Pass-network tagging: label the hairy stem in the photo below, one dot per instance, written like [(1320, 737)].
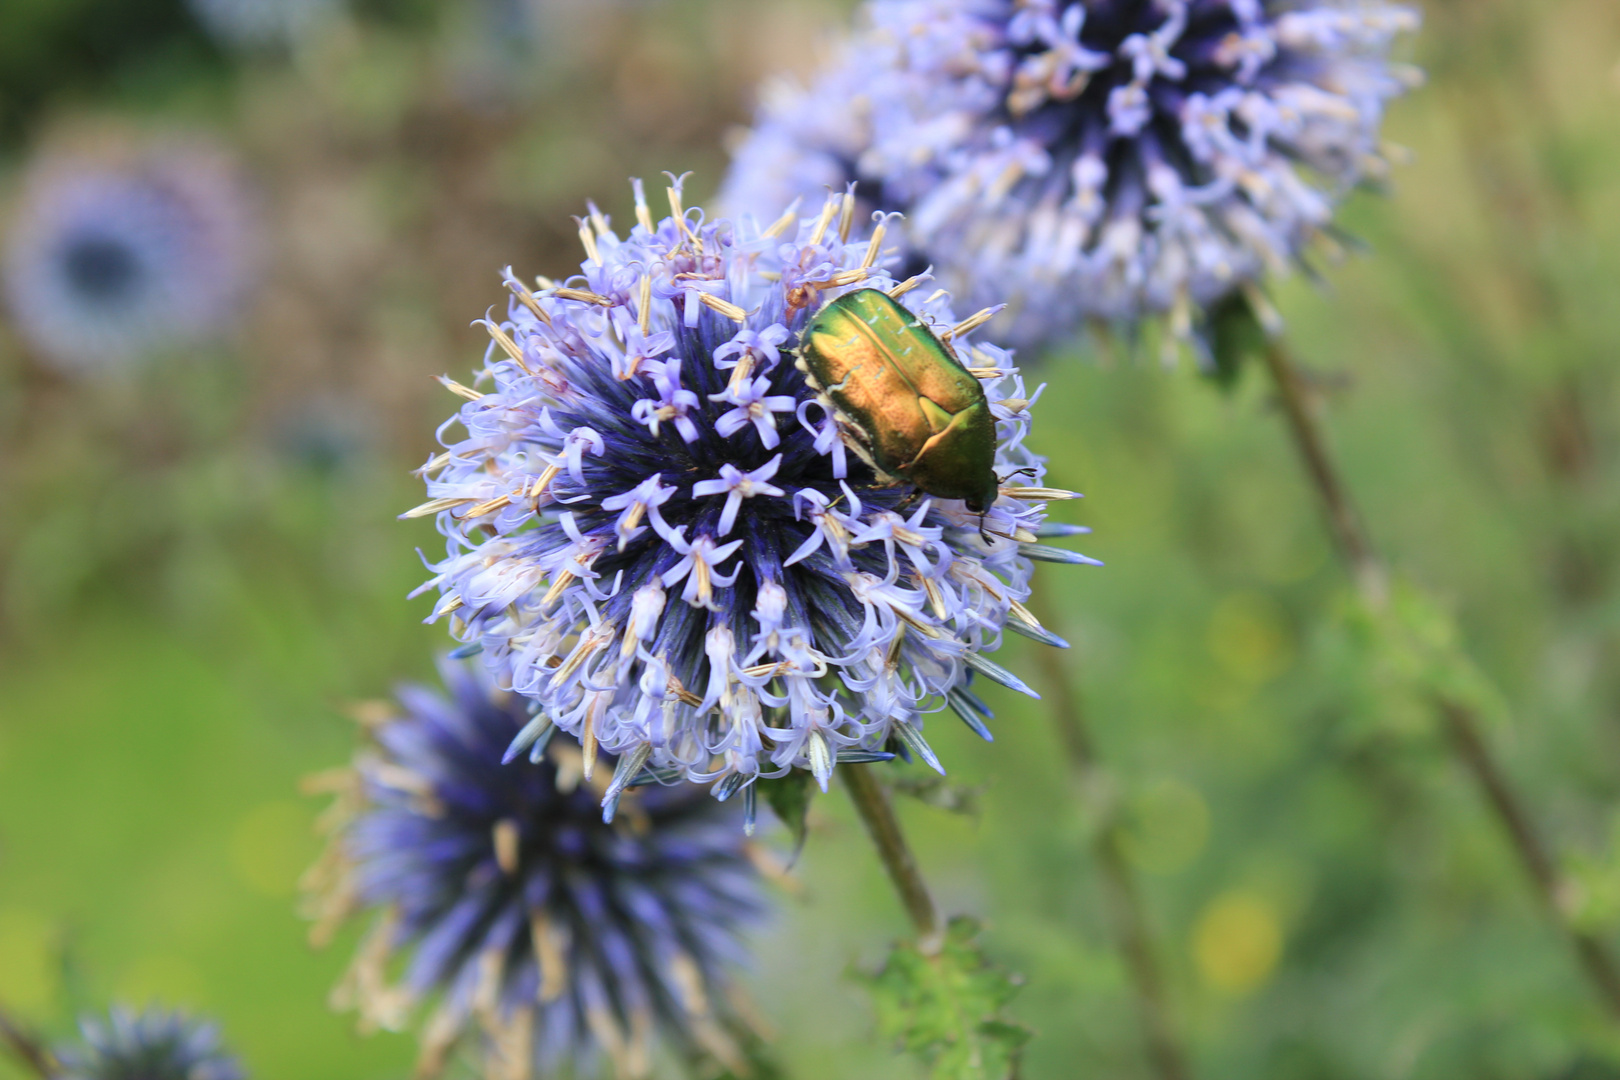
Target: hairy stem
[(1123, 896), (28, 1050), (1461, 723), (872, 802)]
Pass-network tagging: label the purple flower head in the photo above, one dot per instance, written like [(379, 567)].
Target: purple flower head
[(681, 565), (1109, 159), (152, 1045), (549, 940), (110, 259)]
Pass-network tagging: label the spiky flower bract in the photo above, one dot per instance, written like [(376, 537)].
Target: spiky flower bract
[(112, 256), (151, 1045), (1110, 159), (660, 536), (558, 939)]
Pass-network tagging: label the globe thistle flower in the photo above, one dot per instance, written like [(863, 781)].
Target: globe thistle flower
[(264, 24), (559, 938), (114, 256), (657, 532), (152, 1045), (1110, 159)]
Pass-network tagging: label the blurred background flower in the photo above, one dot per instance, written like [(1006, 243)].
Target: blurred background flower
[(560, 940), (113, 256), (1090, 158), (152, 1045), (260, 24)]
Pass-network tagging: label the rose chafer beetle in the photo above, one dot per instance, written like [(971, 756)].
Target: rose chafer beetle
[(913, 410)]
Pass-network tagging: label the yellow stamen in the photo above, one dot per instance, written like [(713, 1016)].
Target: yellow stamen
[(1039, 494), (875, 247), (828, 210), (544, 481), (456, 388), (584, 295), (549, 947), (906, 286), (506, 845), (780, 225), (432, 506), (724, 307), (588, 239), (971, 323), (499, 502), (587, 745), (558, 587)]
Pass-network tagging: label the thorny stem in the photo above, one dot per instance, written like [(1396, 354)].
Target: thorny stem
[(1124, 897), (1461, 723), (25, 1047), (872, 802)]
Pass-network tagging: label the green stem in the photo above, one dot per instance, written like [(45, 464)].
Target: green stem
[(872, 803), (28, 1050), (1461, 723), (1123, 894)]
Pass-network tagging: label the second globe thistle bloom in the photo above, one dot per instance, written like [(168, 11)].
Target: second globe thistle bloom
[(658, 535), (1109, 159), (117, 253), (557, 938), (151, 1045)]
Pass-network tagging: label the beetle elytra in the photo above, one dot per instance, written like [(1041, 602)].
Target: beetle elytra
[(915, 411)]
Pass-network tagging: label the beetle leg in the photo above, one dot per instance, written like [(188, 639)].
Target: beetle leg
[(1028, 470)]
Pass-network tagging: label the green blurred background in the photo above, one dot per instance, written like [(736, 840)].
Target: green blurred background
[(201, 568)]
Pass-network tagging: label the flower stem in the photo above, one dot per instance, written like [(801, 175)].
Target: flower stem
[(1460, 721), (1342, 519), (1124, 897), (872, 803), (27, 1049)]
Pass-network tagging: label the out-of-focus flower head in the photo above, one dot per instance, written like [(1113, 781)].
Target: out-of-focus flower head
[(558, 939), (656, 533), (111, 256), (152, 1045), (265, 24), (1109, 159)]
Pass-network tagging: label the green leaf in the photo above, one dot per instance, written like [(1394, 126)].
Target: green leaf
[(1234, 335), (789, 796), (1412, 654), (945, 1007)]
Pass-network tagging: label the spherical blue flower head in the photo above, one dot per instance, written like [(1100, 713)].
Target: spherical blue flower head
[(109, 260), (153, 1045), (660, 535), (1092, 158), (558, 938)]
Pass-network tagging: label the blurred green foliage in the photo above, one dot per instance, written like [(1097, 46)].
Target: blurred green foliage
[(199, 566)]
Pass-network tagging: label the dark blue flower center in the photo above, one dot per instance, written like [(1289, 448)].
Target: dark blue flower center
[(102, 268)]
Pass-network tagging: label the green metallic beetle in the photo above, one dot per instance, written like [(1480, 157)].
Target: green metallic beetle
[(915, 412)]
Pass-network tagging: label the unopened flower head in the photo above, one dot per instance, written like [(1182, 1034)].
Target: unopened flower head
[(549, 938), (1108, 159), (113, 256), (661, 536), (152, 1045)]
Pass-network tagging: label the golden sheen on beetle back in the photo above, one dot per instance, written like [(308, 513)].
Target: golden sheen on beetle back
[(905, 401)]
